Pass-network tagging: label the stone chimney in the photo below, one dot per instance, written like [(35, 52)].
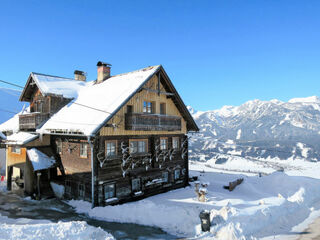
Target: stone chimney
[(103, 71), (79, 75)]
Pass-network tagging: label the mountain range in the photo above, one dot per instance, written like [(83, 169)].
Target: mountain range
[(259, 129)]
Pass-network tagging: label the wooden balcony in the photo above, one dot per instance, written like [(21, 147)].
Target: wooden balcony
[(32, 120), (152, 122)]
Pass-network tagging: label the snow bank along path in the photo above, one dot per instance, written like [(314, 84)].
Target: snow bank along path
[(259, 207), (42, 229)]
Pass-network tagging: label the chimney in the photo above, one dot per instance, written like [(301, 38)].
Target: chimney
[(79, 75), (103, 71)]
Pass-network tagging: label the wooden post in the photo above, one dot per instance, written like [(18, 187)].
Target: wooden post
[(186, 162), (38, 185), (9, 178), (152, 146), (159, 84)]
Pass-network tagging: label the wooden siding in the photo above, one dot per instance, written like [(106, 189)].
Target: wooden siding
[(39, 142), (111, 171), (78, 170), (70, 157), (137, 102), (50, 104), (41, 108), (16, 158)]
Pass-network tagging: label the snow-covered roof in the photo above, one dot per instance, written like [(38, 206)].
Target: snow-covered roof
[(11, 125), (96, 103), (20, 138), (66, 87), (53, 85), (39, 160)]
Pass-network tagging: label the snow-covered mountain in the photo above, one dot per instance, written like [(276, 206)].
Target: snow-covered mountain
[(259, 129)]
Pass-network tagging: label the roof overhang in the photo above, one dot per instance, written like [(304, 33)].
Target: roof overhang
[(20, 138), (27, 88)]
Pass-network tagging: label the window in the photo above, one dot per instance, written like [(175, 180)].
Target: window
[(163, 143), (68, 186), (148, 107), (165, 177), (83, 150), (129, 109), (59, 146), (15, 149), (136, 185), (81, 191), (176, 174), (175, 143), (162, 108), (109, 191), (111, 148), (138, 146)]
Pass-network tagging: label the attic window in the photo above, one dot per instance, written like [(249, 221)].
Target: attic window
[(148, 107)]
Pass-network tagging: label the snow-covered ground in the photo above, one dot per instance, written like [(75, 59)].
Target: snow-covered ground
[(42, 229), (277, 203), (24, 228)]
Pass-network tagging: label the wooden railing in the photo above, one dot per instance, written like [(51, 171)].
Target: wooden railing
[(152, 122), (32, 120)]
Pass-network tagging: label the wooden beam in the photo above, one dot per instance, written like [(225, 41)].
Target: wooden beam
[(159, 83), (157, 91)]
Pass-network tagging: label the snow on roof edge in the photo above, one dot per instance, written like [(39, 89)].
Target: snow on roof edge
[(20, 138)]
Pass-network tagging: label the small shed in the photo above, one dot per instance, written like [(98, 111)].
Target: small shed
[(38, 165)]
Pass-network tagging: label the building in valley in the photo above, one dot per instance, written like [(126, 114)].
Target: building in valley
[(116, 139)]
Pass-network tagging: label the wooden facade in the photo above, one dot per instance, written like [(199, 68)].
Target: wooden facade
[(157, 171), (41, 108), (117, 125)]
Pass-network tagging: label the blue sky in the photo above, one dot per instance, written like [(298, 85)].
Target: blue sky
[(215, 52)]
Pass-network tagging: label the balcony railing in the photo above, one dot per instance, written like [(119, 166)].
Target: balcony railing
[(32, 120), (152, 122)]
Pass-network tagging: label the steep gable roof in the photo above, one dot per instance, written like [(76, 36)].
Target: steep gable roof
[(191, 124), (96, 104), (52, 85)]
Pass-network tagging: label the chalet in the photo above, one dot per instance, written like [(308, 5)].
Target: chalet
[(116, 139)]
